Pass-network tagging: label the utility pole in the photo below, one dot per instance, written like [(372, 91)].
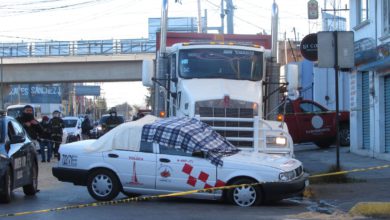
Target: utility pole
[(222, 29), (230, 16), (200, 27)]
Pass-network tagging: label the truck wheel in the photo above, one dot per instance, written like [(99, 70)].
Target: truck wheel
[(344, 135), (32, 188), (103, 185), (244, 196), (5, 196), (324, 143)]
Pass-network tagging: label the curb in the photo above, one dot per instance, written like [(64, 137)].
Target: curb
[(372, 209)]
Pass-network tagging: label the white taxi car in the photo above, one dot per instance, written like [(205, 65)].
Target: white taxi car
[(152, 156)]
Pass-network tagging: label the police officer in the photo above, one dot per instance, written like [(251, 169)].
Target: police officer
[(46, 141), (112, 121), (30, 124), (86, 127), (56, 125)]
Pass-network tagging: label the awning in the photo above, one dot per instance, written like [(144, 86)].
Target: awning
[(376, 65)]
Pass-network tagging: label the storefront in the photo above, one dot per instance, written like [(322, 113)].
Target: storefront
[(370, 104)]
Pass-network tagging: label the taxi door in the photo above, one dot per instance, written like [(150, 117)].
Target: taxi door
[(181, 171), (135, 169)]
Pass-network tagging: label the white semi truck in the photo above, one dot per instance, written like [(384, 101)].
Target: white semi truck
[(219, 79)]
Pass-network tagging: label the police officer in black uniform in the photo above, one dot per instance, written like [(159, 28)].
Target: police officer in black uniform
[(112, 121), (56, 125), (30, 124)]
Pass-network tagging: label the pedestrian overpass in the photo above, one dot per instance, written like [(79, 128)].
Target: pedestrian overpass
[(74, 61)]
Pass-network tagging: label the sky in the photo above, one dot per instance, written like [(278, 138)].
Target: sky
[(68, 20)]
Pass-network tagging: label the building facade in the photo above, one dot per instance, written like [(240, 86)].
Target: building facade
[(370, 80)]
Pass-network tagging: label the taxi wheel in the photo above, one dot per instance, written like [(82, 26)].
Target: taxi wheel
[(5, 197), (244, 196), (32, 188), (103, 185)]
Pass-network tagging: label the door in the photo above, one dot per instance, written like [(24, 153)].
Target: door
[(387, 113), (365, 110), (181, 171), (18, 153), (136, 169), (315, 122)]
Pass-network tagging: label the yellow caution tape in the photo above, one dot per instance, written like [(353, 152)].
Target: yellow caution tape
[(350, 171)]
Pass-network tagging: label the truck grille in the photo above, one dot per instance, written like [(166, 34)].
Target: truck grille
[(230, 113)]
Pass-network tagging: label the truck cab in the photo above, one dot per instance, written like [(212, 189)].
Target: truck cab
[(221, 84)]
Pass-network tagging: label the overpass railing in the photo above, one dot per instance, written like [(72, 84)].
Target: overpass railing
[(74, 48)]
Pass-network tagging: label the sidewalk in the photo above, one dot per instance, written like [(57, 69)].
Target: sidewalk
[(316, 160), (370, 186)]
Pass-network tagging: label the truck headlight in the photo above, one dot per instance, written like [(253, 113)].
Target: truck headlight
[(279, 141), (286, 176)]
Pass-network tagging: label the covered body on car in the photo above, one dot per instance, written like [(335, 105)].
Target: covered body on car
[(153, 156)]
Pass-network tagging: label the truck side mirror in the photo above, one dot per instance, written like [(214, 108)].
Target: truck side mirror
[(147, 73)]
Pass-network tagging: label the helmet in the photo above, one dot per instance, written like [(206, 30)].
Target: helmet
[(45, 118)]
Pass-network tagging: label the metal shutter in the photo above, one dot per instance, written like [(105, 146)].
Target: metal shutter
[(387, 114), (365, 110)]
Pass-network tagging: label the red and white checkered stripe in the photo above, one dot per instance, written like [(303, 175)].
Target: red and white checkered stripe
[(201, 178)]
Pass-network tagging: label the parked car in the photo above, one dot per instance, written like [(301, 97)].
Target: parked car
[(100, 127), (18, 160), (158, 156), (309, 121), (72, 130)]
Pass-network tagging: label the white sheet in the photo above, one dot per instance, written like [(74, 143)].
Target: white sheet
[(126, 136)]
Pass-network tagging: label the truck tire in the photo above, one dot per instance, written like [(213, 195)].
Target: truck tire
[(244, 196), (344, 135), (103, 185), (32, 188), (5, 196), (324, 143)]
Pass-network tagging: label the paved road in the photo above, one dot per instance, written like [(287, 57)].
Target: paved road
[(53, 194), (57, 194)]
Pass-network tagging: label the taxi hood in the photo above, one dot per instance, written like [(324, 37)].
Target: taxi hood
[(247, 159)]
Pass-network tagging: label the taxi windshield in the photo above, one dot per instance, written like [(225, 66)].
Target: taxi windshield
[(221, 63)]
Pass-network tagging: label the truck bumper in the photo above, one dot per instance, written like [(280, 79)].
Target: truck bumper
[(75, 176), (282, 190)]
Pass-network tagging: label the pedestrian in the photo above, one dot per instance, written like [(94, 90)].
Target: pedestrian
[(57, 126), (86, 127), (112, 121), (30, 124), (46, 141)]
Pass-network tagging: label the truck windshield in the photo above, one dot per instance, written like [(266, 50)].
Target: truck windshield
[(221, 63)]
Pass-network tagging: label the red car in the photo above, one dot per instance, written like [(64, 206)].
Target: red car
[(309, 121)]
